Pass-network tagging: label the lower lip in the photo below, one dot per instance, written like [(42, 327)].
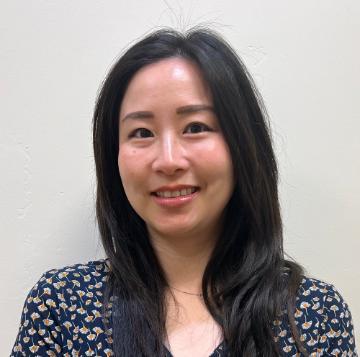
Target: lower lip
[(174, 201)]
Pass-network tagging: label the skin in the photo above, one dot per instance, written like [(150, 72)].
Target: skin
[(169, 135)]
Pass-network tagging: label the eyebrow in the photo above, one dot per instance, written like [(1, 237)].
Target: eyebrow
[(186, 109)]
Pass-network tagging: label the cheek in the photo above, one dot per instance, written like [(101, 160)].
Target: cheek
[(215, 157), (128, 164), (219, 170)]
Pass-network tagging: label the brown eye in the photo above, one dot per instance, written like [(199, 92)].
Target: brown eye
[(141, 133), (195, 128)]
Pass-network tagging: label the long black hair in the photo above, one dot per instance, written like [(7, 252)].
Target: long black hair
[(247, 283)]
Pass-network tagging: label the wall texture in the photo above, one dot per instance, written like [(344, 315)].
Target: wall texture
[(304, 56)]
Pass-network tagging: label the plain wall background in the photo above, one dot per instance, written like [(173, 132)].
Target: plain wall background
[(305, 58)]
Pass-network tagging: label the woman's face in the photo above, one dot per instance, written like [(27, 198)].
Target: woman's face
[(174, 163)]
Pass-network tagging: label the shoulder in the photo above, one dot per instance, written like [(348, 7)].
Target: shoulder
[(323, 320), (321, 303), (70, 283), (78, 274), (63, 311), (315, 297), (74, 289)]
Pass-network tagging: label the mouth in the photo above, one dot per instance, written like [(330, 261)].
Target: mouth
[(175, 193)]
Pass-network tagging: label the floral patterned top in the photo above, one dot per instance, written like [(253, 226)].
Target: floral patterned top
[(62, 317)]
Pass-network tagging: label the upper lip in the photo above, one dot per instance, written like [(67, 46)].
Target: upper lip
[(173, 188)]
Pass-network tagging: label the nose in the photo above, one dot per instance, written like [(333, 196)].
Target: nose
[(170, 155)]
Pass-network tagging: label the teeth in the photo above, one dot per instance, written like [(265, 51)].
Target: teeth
[(175, 194), (172, 194)]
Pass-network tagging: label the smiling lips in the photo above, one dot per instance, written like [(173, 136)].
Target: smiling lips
[(174, 196)]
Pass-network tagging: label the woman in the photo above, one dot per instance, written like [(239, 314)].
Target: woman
[(188, 211)]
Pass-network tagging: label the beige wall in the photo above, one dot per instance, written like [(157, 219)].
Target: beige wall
[(305, 58)]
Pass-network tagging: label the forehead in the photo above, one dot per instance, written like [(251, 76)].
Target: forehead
[(168, 80), (173, 68)]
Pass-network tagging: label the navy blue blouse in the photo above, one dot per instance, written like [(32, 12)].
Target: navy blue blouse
[(62, 317)]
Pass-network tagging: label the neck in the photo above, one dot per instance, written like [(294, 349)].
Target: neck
[(183, 259)]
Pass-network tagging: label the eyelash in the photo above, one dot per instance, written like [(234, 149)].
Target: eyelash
[(134, 134), (204, 126)]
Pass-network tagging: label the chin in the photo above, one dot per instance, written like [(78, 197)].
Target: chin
[(173, 230), (179, 230)]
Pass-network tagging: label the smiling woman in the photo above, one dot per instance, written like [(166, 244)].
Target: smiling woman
[(188, 211)]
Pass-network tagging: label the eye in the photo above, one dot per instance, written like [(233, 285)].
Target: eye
[(195, 128), (141, 133)]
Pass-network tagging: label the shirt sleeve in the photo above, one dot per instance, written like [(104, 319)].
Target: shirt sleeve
[(40, 328), (337, 330)]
